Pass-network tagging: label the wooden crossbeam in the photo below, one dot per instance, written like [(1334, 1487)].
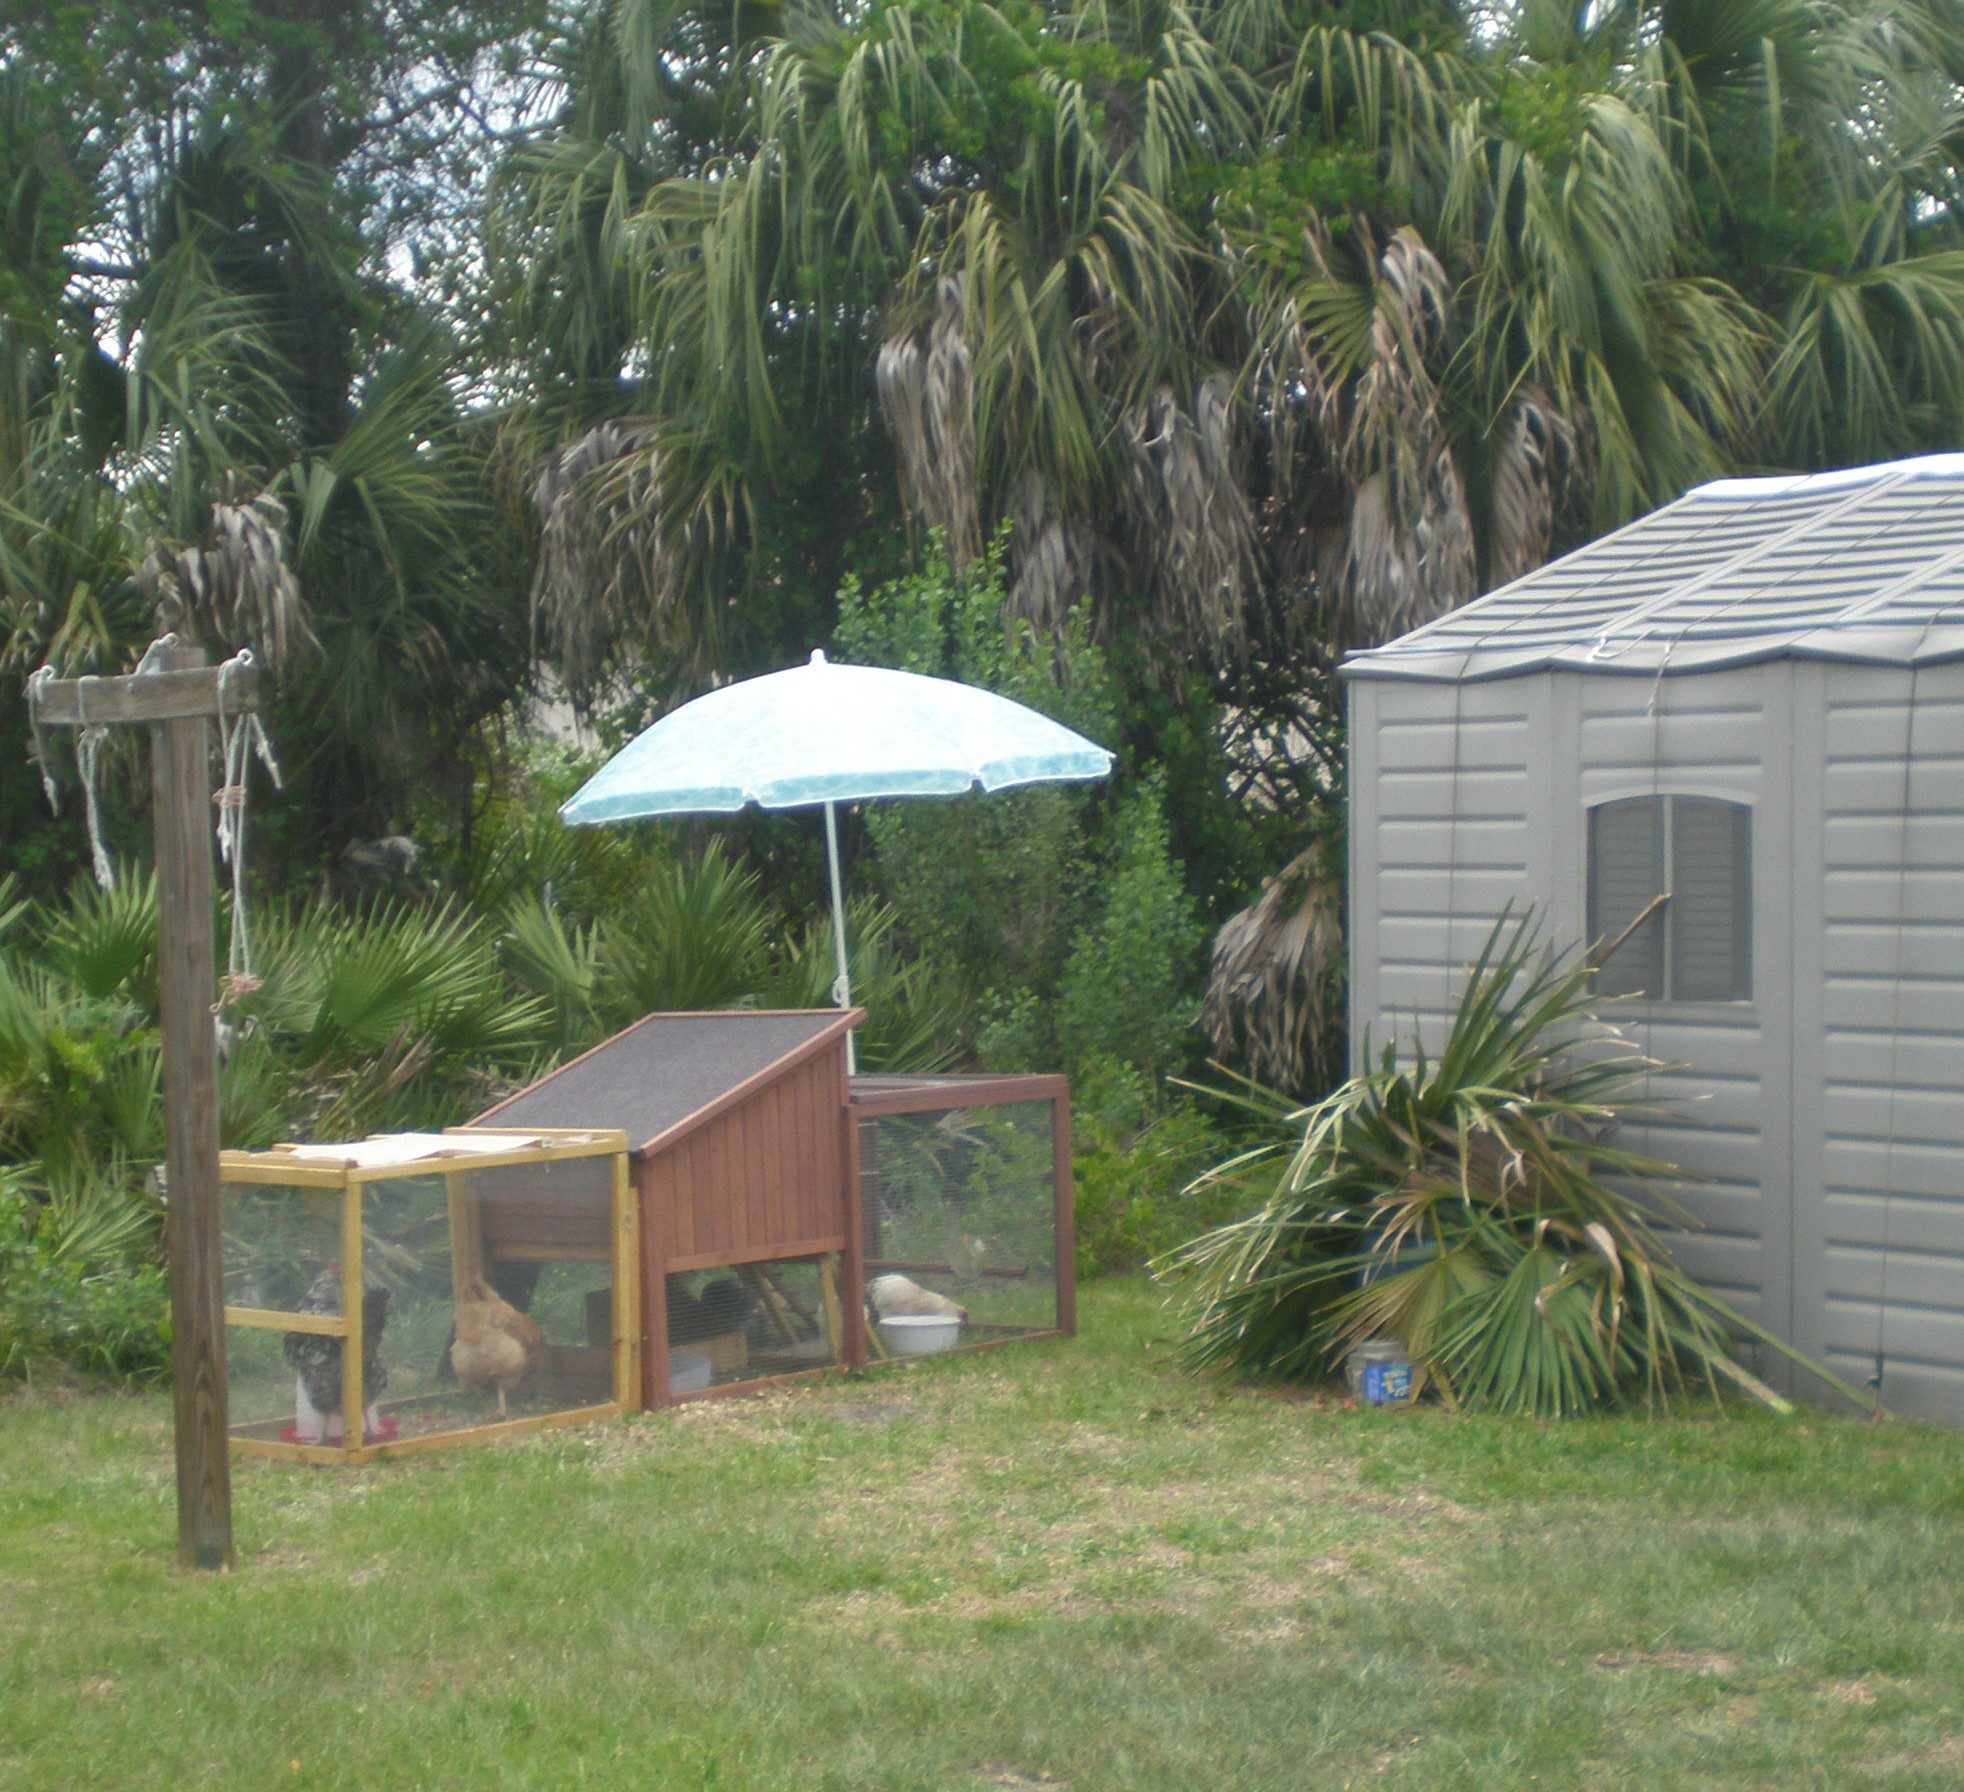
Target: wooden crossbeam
[(175, 694)]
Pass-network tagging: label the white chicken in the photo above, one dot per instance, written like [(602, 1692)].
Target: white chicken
[(896, 1297)]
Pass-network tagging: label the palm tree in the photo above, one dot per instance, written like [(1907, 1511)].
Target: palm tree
[(172, 459), (1267, 328), (1266, 317)]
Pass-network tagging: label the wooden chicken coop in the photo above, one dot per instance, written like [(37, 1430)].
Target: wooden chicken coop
[(781, 1199), (419, 1289)]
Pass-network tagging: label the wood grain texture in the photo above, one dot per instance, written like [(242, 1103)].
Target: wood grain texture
[(185, 692), (180, 767), (1065, 1214)]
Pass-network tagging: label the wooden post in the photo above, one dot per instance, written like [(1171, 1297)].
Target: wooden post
[(1064, 1210), (854, 1293), (354, 1304), (177, 696), (180, 781)]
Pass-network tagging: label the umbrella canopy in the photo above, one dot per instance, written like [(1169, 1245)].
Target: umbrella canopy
[(821, 733)]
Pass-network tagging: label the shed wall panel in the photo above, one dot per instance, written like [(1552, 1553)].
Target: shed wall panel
[(1880, 1203), (1728, 1104), (1473, 797), (1444, 841), (1824, 1118)]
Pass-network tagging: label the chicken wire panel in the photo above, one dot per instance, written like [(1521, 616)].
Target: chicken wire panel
[(406, 1251), (960, 1218), (754, 1320), (280, 1250), (262, 1383), (274, 1241), (502, 1302)]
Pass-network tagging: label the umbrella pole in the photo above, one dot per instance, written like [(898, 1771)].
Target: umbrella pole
[(842, 986)]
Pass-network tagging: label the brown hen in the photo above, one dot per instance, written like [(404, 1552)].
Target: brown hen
[(496, 1344)]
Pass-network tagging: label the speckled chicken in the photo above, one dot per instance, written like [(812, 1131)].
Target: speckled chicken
[(496, 1344), (316, 1359)]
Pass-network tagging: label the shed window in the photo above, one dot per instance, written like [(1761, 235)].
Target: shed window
[(1697, 946)]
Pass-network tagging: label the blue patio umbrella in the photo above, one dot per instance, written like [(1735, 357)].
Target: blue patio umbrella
[(829, 734)]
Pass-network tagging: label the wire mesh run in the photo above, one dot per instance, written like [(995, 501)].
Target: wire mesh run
[(965, 1232), (383, 1302), (750, 1321)]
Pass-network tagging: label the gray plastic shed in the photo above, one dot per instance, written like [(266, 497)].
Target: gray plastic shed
[(1752, 701)]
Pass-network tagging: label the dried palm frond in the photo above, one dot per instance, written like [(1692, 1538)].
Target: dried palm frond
[(1274, 980), (925, 379), (1342, 372), (618, 546), (572, 566), (1531, 471), (1387, 569), (239, 588), (1189, 511), (1056, 558)]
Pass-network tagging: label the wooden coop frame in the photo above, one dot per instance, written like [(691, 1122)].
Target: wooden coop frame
[(875, 1096), (519, 1235), (745, 1132)]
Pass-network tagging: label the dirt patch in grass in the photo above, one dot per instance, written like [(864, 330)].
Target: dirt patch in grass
[(1681, 1661), (867, 1412), (1945, 1755)]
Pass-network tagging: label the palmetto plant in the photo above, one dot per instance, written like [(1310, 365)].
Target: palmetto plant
[(914, 1010), (1479, 1207), (1278, 327)]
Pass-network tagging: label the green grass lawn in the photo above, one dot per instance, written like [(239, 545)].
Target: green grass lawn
[(1057, 1563)]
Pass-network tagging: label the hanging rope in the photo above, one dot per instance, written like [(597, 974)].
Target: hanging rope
[(43, 755), (88, 761), (240, 737)]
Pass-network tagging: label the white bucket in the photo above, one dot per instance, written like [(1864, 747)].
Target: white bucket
[(920, 1334)]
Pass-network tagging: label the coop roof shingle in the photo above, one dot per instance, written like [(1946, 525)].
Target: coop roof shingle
[(1866, 564), (666, 1068)]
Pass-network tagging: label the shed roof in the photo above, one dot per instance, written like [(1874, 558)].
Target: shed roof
[(1865, 564), (671, 1068)]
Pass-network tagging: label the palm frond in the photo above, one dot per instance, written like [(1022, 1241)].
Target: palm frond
[(1274, 983), (1477, 1207)]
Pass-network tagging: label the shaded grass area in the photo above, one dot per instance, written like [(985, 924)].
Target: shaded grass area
[(1060, 1563)]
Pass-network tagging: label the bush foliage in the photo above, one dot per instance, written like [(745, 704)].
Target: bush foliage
[(1476, 1207)]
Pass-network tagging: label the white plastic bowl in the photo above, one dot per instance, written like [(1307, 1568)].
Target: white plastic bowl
[(919, 1334), (688, 1370)]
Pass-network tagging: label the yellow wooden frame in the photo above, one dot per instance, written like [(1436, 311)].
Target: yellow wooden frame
[(278, 1168)]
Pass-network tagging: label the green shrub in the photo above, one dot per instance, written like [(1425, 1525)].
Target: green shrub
[(1472, 1207), (63, 1304), (1127, 991), (1061, 912), (1138, 1193), (990, 888)]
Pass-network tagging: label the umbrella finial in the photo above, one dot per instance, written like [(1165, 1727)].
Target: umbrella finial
[(818, 656)]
